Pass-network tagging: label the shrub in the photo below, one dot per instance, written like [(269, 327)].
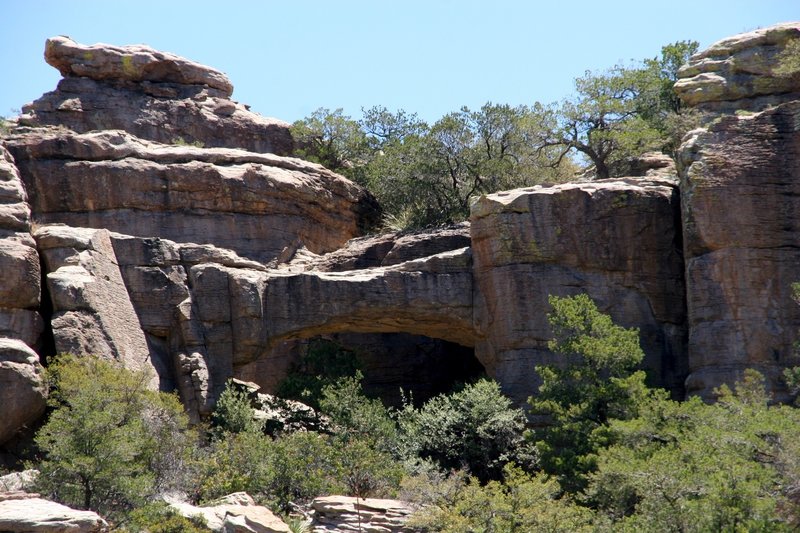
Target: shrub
[(323, 364), (110, 443), (475, 428)]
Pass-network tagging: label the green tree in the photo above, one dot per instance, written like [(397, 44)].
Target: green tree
[(693, 467), (110, 443), (332, 139), (604, 121), (595, 381), (620, 113), (475, 428)]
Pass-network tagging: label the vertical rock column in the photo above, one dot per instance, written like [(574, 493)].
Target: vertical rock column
[(22, 390), (740, 195)]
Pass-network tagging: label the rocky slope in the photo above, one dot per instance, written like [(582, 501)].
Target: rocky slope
[(207, 262)]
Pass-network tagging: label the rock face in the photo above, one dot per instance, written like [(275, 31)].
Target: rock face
[(208, 262), (92, 313), (619, 241), (151, 94), (741, 210), (27, 513), (22, 387), (741, 72), (345, 513), (255, 204)]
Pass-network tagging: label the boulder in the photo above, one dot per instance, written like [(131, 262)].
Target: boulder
[(151, 94), (23, 391), (25, 513), (374, 515), (741, 72), (18, 481), (253, 204), (235, 513), (130, 63), (740, 192), (617, 240)]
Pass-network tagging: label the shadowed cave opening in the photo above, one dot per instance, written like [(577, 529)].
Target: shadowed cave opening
[(420, 366)]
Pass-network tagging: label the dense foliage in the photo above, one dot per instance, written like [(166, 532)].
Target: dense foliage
[(613, 456), (426, 174)]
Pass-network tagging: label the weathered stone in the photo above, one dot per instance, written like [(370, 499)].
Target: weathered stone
[(346, 513), (430, 296), (253, 204), (27, 514), (18, 481), (132, 63), (153, 95), (739, 72), (92, 313), (617, 240), (235, 513), (20, 284), (740, 190), (22, 387), (379, 250)]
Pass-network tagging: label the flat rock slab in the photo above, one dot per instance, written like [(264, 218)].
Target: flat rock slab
[(133, 63), (36, 515)]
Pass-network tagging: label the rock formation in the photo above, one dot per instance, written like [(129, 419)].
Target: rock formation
[(741, 72), (203, 263), (345, 513), (619, 241), (25, 513), (151, 94), (740, 186), (235, 513)]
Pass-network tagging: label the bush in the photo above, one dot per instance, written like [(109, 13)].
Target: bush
[(110, 443), (233, 413), (475, 428), (688, 466), (521, 502)]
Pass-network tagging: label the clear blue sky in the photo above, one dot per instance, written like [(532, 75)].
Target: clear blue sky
[(289, 57)]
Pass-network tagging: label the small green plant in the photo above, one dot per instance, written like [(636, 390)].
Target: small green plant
[(475, 428), (110, 444), (180, 141), (233, 413), (158, 517)]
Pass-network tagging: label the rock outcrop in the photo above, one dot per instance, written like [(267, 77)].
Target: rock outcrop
[(235, 513), (27, 513), (346, 513), (619, 241), (740, 195), (92, 314), (151, 94), (741, 72), (22, 388), (208, 262), (254, 204), (741, 210)]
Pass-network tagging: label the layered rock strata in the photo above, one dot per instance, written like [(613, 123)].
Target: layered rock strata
[(345, 513), (744, 72), (151, 94), (254, 204)]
